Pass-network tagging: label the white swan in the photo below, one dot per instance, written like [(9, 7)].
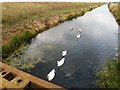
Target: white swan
[(80, 30), (71, 28), (78, 36), (51, 75), (61, 62), (116, 48), (64, 53)]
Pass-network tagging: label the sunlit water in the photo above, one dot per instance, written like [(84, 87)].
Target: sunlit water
[(96, 45)]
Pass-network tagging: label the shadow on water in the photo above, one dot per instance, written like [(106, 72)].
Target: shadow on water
[(97, 43)]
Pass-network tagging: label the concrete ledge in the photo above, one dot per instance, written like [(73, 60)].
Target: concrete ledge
[(14, 78)]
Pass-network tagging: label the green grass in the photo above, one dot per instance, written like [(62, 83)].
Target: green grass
[(15, 43), (109, 76)]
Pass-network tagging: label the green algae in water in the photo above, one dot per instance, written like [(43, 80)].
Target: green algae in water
[(21, 59)]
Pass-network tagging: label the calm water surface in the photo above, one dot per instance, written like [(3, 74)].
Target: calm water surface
[(96, 45)]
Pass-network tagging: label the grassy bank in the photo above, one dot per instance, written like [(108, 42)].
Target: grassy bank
[(114, 9), (109, 76), (22, 21)]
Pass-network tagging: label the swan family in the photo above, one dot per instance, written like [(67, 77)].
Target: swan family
[(78, 35), (51, 74)]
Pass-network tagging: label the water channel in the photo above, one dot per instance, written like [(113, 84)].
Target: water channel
[(99, 38)]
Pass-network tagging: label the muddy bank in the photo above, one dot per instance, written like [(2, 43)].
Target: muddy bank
[(21, 35), (114, 9)]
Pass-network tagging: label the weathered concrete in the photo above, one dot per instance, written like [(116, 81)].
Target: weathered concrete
[(14, 78)]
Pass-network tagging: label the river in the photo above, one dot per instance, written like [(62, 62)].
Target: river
[(99, 38)]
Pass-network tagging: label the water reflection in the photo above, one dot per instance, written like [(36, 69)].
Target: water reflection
[(93, 48)]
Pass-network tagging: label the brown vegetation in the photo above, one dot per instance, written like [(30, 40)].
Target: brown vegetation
[(114, 9)]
